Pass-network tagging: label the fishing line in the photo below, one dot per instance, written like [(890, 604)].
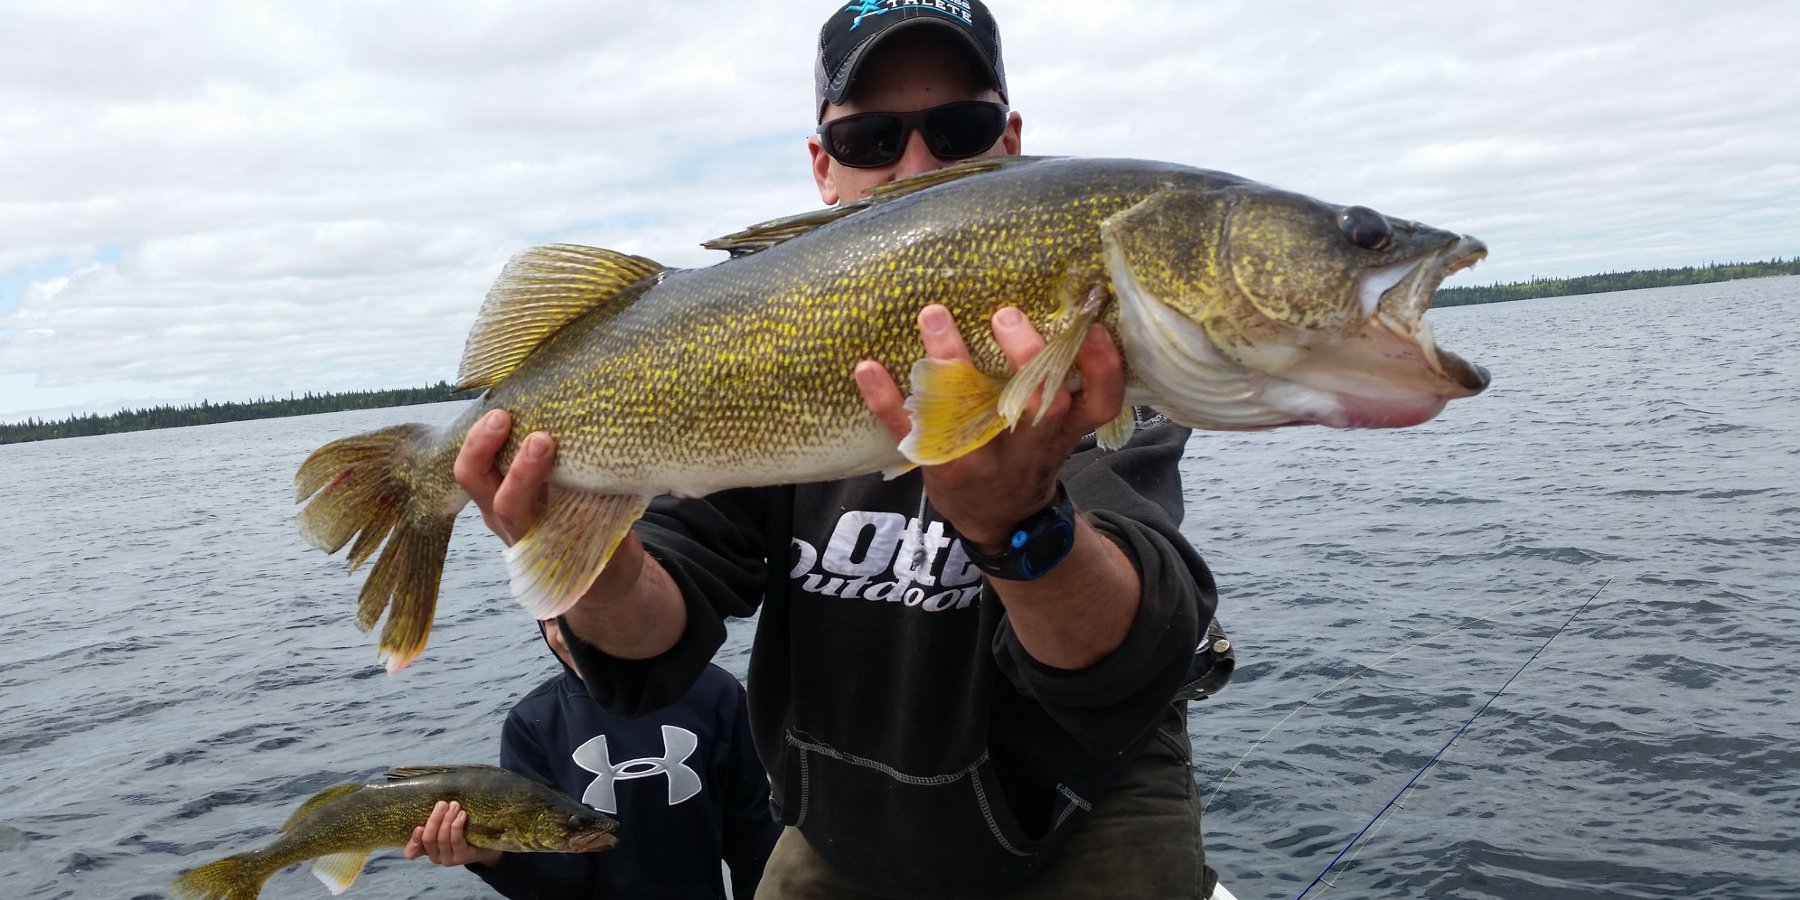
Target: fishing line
[(1441, 750), (1336, 684)]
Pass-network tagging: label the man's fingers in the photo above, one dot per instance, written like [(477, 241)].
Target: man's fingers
[(1017, 337), (937, 329), (415, 845), (1102, 394), (521, 493), (883, 398), (474, 466)]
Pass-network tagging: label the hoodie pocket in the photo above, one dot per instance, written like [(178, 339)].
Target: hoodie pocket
[(916, 834)]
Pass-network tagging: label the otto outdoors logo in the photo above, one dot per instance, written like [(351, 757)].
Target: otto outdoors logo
[(602, 794), (866, 8), (889, 557)]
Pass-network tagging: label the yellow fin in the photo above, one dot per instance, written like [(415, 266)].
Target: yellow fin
[(317, 800), (556, 562), (952, 410), (540, 291), (1117, 433), (1051, 367), (339, 870)]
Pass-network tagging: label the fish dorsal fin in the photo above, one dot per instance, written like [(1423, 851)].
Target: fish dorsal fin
[(882, 193), (402, 773), (318, 800), (540, 291), (339, 870), (764, 235)]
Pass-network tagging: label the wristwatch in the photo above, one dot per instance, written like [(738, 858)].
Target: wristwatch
[(1035, 545)]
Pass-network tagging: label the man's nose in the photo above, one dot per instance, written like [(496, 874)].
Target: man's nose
[(916, 159)]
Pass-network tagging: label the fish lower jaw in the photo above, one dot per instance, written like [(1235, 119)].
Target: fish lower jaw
[(1393, 409), (593, 843)]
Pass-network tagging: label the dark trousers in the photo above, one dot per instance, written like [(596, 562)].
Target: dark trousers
[(1141, 840)]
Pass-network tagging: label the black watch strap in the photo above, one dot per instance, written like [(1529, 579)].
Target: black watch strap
[(1035, 545)]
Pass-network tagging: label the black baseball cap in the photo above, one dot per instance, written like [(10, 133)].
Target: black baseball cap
[(857, 28)]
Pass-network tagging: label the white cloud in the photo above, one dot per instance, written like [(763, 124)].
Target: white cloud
[(232, 201)]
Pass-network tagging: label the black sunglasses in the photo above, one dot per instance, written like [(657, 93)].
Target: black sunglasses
[(953, 131)]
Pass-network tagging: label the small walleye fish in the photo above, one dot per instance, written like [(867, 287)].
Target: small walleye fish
[(339, 826), (1235, 305)]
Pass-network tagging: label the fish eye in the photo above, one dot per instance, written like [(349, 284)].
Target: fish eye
[(1366, 228)]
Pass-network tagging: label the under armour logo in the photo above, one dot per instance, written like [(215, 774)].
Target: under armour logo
[(678, 745)]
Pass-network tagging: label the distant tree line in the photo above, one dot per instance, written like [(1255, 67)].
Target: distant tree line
[(1614, 281), (207, 413)]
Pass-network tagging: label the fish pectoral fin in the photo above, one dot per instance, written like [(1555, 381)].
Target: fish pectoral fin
[(952, 410), (558, 560), (1117, 433), (339, 870), (318, 800), (540, 291), (1053, 364), (895, 471)]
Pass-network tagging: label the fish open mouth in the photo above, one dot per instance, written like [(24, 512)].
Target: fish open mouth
[(1398, 296)]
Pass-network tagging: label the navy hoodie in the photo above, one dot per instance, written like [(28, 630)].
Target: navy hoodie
[(683, 781)]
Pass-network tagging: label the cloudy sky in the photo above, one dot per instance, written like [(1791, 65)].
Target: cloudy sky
[(232, 201)]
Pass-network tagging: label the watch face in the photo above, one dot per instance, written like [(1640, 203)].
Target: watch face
[(1046, 548)]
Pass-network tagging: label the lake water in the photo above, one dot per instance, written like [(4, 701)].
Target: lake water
[(178, 669)]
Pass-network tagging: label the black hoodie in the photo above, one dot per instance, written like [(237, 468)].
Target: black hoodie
[(908, 734)]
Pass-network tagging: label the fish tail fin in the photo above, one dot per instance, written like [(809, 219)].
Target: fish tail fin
[(238, 877), (559, 558), (391, 490), (339, 870), (953, 409)]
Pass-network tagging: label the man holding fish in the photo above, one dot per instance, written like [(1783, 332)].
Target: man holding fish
[(962, 679), (931, 437)]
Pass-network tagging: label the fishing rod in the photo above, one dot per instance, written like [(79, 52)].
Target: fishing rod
[(1264, 737), (1410, 782)]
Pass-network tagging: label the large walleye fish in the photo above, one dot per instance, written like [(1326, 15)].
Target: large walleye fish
[(1236, 306), (340, 825)]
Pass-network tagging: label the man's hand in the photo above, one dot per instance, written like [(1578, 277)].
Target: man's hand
[(633, 610), (510, 503), (1082, 609), (443, 838), (988, 491)]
